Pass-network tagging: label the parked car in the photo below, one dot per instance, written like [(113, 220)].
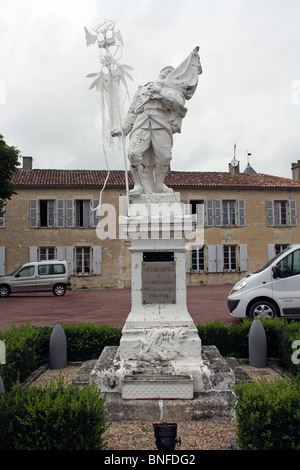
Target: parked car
[(272, 291), (39, 276)]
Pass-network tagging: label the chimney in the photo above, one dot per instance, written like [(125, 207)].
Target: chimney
[(296, 170), (234, 167), (27, 163)]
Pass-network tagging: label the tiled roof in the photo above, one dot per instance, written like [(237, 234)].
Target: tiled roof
[(176, 179)]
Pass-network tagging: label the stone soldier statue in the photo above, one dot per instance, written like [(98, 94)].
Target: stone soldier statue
[(154, 116)]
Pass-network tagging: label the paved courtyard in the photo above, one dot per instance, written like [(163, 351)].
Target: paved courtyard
[(110, 306)]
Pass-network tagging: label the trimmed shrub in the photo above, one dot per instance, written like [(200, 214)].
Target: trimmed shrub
[(54, 418), (87, 340), (214, 333), (268, 415)]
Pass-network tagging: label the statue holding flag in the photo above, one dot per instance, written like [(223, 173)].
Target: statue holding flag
[(154, 116)]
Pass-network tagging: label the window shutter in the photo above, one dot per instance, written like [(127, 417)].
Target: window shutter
[(200, 215), (243, 258), (33, 213), (69, 213), (86, 213), (2, 218), (60, 213), (96, 217), (70, 259), (2, 260), (209, 212), (219, 258), (218, 212), (270, 213), (51, 217), (270, 251), (61, 253), (212, 258), (33, 253), (241, 212), (97, 260), (187, 206), (293, 213)]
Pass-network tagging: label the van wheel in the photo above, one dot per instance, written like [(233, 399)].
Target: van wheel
[(59, 290), (262, 309), (4, 291)]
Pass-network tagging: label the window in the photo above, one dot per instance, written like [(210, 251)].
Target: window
[(2, 218), (83, 260), (281, 213), (46, 213), (198, 259), (230, 258), (82, 211), (229, 213), (225, 213), (280, 248), (290, 265), (25, 272), (46, 253)]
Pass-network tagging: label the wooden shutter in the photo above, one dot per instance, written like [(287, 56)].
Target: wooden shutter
[(270, 213), (210, 213), (97, 260), (270, 251), (69, 213), (218, 212), (96, 217), (243, 257), (2, 260), (60, 213), (293, 213), (241, 212), (33, 213), (33, 253), (70, 259)]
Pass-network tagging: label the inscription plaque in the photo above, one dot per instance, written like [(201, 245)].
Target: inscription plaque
[(158, 282)]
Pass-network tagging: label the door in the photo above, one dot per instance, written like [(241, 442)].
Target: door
[(286, 287), (25, 280), (44, 277)]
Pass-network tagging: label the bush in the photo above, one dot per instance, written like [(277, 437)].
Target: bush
[(214, 333), (56, 418), (86, 340), (268, 415)]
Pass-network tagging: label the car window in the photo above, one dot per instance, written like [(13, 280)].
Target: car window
[(27, 271), (59, 269), (290, 265), (44, 269)]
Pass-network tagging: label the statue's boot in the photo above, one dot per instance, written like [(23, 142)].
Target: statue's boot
[(138, 188), (146, 178), (160, 173)]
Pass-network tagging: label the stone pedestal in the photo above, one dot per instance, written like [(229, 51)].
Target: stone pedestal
[(159, 356)]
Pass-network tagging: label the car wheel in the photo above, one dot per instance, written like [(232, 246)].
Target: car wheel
[(262, 309), (59, 290), (4, 291)]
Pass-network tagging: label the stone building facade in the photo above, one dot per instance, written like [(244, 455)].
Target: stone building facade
[(245, 217)]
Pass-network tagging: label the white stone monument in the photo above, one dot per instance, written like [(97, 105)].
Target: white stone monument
[(160, 359)]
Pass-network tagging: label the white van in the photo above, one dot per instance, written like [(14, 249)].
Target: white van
[(39, 276), (272, 291)]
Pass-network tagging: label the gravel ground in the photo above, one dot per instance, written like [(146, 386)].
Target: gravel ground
[(137, 435)]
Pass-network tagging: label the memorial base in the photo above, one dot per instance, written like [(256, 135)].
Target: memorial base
[(157, 393)]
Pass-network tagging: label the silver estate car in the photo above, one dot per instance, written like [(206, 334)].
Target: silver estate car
[(38, 276)]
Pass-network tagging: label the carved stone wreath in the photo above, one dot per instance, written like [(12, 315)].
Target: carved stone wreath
[(162, 345)]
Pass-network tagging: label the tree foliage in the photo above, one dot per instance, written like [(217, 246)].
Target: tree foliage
[(8, 165)]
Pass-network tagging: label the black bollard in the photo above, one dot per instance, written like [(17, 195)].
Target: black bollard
[(257, 342), (58, 348), (165, 436)]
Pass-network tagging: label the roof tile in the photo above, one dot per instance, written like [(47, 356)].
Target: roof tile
[(39, 178)]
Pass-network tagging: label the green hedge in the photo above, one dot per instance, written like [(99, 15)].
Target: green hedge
[(54, 418), (27, 347), (268, 415), (232, 340)]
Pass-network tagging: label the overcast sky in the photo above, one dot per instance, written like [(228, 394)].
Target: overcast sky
[(248, 94)]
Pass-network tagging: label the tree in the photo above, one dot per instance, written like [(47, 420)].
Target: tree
[(8, 165)]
